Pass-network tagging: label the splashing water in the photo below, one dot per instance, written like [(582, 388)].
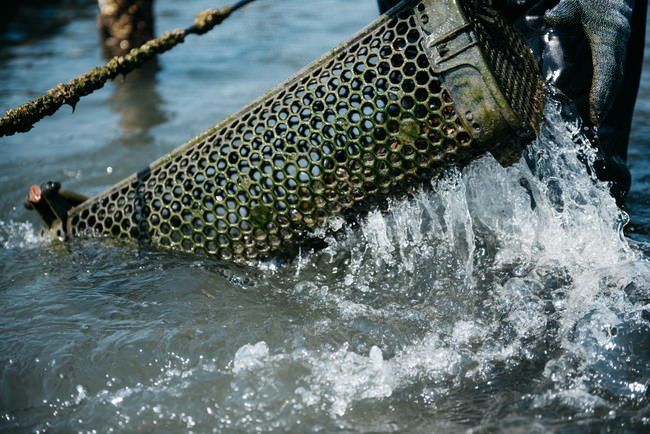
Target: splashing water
[(503, 298), (19, 235), (498, 271)]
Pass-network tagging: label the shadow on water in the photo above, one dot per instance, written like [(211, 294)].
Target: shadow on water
[(138, 103), (27, 21), (135, 97)]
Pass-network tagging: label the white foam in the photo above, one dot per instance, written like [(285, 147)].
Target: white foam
[(250, 357), (19, 235)]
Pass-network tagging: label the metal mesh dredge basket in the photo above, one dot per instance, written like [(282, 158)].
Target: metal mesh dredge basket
[(433, 83)]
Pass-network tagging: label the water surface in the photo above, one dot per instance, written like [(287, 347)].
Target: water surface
[(512, 300)]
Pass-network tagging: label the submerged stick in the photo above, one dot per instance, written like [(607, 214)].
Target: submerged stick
[(23, 118)]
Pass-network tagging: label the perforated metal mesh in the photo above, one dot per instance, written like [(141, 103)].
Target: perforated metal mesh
[(367, 121), (511, 61)]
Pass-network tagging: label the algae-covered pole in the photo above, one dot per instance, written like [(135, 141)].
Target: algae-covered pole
[(124, 24), (23, 118)]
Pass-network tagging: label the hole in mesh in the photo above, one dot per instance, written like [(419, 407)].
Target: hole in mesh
[(434, 137), (434, 103), (402, 28), (393, 126), (340, 140), (420, 111), (333, 83), (232, 218), (421, 144), (293, 121), (435, 120), (353, 149), (349, 60), (355, 100), (407, 102), (209, 232), (187, 245), (395, 77), (267, 198), (315, 139), (379, 134), (243, 211), (388, 35), (316, 123), (380, 118), (367, 125), (320, 91), (280, 130), (198, 240), (303, 130), (243, 166), (413, 35), (382, 85), (399, 44), (463, 137), (225, 253), (327, 148), (308, 99), (280, 206), (278, 162), (232, 188), (231, 204), (449, 112), (354, 116), (290, 184), (186, 229), (449, 129), (278, 176), (340, 156), (328, 164), (421, 94), (303, 177), (302, 162), (422, 61), (408, 85), (222, 164), (434, 87), (383, 68), (211, 246), (221, 225), (393, 110)]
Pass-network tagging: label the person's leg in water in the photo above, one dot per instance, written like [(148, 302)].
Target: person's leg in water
[(564, 56)]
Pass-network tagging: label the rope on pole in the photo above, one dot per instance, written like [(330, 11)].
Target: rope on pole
[(22, 118)]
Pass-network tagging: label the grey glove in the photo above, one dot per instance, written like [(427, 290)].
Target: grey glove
[(606, 24)]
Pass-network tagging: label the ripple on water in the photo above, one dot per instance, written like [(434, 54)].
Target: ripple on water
[(501, 299)]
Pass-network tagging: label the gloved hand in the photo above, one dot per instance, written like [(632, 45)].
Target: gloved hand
[(606, 24)]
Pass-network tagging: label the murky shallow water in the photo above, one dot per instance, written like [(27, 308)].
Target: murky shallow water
[(507, 300)]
